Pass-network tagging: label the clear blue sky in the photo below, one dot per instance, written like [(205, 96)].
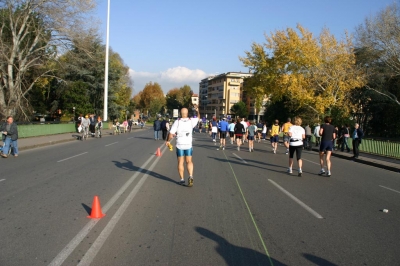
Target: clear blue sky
[(177, 42)]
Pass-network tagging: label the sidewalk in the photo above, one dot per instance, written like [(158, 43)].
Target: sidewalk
[(364, 158), (35, 142)]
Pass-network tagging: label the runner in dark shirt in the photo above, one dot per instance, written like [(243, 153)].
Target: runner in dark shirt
[(327, 133)]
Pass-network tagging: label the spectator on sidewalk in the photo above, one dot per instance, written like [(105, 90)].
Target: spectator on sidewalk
[(157, 128), (345, 137), (92, 126), (357, 135), (317, 135), (164, 129), (9, 132)]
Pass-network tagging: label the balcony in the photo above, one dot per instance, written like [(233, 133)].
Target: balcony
[(234, 83)]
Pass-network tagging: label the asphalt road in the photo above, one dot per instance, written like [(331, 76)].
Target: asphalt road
[(244, 209)]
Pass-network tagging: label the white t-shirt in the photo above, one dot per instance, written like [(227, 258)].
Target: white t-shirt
[(264, 130), (183, 128), (297, 135), (244, 124)]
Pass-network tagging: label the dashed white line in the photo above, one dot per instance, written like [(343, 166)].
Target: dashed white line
[(310, 161), (239, 158), (382, 187), (2, 180), (302, 204), (111, 144), (71, 157)]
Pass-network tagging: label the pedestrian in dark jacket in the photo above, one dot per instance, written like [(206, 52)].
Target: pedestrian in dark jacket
[(9, 132), (157, 128), (357, 136)]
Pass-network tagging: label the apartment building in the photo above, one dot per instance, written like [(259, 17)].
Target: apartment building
[(219, 93)]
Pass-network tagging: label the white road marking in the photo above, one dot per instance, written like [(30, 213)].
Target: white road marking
[(71, 157), (111, 143), (70, 247), (382, 187), (302, 204), (310, 161), (101, 239), (239, 158), (2, 180)]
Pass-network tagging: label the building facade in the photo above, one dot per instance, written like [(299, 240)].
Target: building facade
[(219, 93)]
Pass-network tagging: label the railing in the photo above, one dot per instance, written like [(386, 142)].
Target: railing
[(35, 130), (377, 147)]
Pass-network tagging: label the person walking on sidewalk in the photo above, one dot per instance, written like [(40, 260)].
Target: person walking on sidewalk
[(85, 126), (296, 134), (317, 135), (183, 130), (99, 126), (307, 140), (285, 130), (345, 136), (327, 133), (9, 133), (92, 126), (357, 135)]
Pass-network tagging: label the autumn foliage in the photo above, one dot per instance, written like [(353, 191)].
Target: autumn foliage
[(315, 72)]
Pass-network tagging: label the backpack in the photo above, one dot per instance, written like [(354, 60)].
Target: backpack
[(164, 125)]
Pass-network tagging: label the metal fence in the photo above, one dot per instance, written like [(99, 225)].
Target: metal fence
[(379, 147)]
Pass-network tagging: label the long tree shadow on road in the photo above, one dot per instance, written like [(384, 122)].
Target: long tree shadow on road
[(235, 255), (129, 166)]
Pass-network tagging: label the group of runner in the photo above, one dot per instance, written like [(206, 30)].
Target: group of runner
[(241, 131)]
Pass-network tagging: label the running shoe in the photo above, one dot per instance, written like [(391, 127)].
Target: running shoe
[(300, 172), (321, 172), (289, 170), (223, 148), (181, 182), (190, 181), (274, 151), (328, 174)]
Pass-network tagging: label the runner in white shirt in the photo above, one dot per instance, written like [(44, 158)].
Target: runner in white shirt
[(296, 134), (183, 130)]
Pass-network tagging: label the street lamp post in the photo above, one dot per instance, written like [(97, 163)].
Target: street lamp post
[(73, 109), (105, 114)]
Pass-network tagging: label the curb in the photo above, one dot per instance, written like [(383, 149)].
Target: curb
[(367, 162)]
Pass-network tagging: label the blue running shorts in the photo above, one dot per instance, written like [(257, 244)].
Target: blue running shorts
[(180, 153)]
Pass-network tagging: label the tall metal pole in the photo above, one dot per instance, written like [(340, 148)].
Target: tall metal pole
[(105, 113)]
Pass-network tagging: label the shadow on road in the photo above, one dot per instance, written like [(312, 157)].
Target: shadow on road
[(235, 255), (317, 260), (128, 165)]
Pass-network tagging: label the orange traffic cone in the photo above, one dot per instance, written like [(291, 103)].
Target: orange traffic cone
[(96, 209), (158, 153)]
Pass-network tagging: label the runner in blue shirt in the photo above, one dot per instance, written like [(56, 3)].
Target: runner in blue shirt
[(223, 129), (232, 131)]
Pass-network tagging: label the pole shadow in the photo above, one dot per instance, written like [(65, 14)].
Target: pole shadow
[(317, 260), (129, 166), (235, 255)]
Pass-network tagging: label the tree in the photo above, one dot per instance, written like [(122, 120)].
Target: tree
[(239, 109), (315, 72), (151, 92), (379, 37), (31, 33)]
